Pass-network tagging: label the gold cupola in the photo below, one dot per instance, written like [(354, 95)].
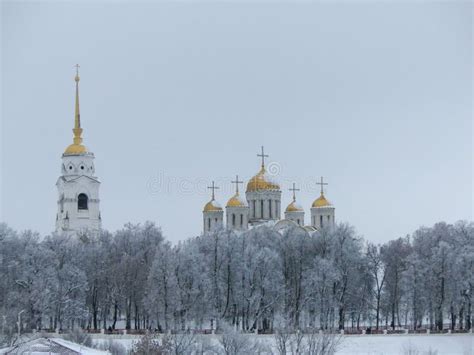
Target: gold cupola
[(294, 207), (237, 200), (321, 201), (76, 148), (213, 205), (262, 181)]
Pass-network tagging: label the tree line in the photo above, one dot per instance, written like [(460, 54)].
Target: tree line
[(260, 279)]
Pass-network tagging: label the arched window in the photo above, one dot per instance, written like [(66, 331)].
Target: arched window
[(82, 202), (209, 223), (241, 220), (298, 222), (321, 221), (233, 219), (261, 209), (270, 208)]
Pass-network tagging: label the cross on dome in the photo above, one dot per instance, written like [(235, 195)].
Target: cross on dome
[(237, 182), (322, 183), (213, 187), (294, 189), (263, 156)]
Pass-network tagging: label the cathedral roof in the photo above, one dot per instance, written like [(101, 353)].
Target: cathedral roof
[(321, 201), (75, 149), (294, 207), (262, 181), (236, 201), (212, 206)]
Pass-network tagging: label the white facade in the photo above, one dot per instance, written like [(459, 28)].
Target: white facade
[(78, 195), (323, 217), (213, 220), (264, 205), (295, 216), (237, 218)]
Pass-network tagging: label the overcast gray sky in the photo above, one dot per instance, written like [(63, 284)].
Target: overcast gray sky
[(375, 96)]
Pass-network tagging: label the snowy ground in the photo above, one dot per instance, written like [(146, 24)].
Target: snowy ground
[(447, 344), (399, 344)]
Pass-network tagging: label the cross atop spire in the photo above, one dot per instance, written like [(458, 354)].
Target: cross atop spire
[(322, 183), (237, 182), (213, 187), (263, 156), (294, 189)]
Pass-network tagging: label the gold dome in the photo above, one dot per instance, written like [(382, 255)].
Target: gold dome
[(236, 201), (294, 207), (261, 181), (75, 149), (321, 202), (212, 206)]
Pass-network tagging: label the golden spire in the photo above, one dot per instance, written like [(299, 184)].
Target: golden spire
[(76, 147), (77, 115)]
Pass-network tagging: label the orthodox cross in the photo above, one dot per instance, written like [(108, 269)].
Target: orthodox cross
[(237, 182), (263, 155), (77, 66), (322, 183), (213, 187), (294, 189)]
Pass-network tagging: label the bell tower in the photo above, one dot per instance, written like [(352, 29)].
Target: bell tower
[(78, 187)]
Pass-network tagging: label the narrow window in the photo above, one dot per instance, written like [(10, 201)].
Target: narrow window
[(261, 208), (254, 208), (298, 222), (233, 219), (270, 208), (82, 201), (209, 224), (321, 221), (241, 220)]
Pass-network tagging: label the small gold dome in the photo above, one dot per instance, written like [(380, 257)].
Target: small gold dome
[(261, 181), (212, 206), (236, 201), (321, 202), (75, 149), (294, 207)]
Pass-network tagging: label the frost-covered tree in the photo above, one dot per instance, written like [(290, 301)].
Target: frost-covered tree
[(256, 280)]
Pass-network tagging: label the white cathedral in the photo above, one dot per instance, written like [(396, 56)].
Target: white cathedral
[(262, 204), (78, 187), (78, 196)]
